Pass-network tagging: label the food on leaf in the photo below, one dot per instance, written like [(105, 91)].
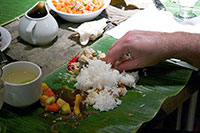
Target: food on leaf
[(60, 102), (103, 84), (97, 84), (48, 93), (50, 100), (52, 107), (65, 108), (44, 86), (77, 104), (43, 99)]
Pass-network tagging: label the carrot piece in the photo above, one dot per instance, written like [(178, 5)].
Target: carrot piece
[(60, 1), (69, 10), (130, 114), (96, 8), (87, 7), (52, 107), (101, 5), (58, 7), (66, 2), (55, 4), (54, 1), (62, 5), (79, 12)]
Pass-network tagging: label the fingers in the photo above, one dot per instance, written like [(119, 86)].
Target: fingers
[(129, 65), (115, 53)]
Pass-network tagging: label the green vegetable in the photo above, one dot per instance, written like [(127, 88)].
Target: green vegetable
[(79, 7), (84, 3), (50, 100), (74, 5)]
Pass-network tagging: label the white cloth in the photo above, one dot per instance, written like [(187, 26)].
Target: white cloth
[(152, 19), (90, 30), (139, 3)]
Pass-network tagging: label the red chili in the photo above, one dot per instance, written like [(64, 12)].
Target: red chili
[(75, 59)]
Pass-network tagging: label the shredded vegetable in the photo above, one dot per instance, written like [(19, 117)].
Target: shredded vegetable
[(78, 6)]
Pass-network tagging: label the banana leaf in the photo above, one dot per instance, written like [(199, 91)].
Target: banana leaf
[(162, 81)]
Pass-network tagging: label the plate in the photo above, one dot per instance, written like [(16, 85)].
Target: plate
[(6, 38)]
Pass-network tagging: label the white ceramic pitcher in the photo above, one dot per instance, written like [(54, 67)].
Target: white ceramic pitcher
[(38, 26)]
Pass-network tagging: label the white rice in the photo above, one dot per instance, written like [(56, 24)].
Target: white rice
[(99, 75)]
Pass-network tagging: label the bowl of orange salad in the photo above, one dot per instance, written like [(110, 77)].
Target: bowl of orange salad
[(78, 10)]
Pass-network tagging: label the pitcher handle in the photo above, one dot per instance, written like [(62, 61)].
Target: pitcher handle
[(29, 31)]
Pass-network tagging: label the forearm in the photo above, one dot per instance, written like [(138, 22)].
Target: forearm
[(184, 46)]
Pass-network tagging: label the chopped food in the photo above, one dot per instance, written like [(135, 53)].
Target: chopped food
[(101, 56), (77, 103), (78, 6), (65, 109), (130, 115), (52, 107), (48, 93), (44, 87), (55, 102), (83, 57), (97, 84), (60, 102), (103, 84), (50, 100), (43, 99)]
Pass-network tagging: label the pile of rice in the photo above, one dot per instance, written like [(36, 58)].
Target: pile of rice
[(102, 84)]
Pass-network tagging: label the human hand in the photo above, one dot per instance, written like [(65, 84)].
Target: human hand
[(146, 49)]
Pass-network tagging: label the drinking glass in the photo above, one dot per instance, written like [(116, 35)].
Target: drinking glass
[(185, 9)]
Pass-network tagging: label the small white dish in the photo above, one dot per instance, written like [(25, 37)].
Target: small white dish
[(6, 38), (78, 18), (24, 94)]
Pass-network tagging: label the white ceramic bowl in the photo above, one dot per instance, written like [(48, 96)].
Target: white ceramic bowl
[(25, 94), (78, 18)]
